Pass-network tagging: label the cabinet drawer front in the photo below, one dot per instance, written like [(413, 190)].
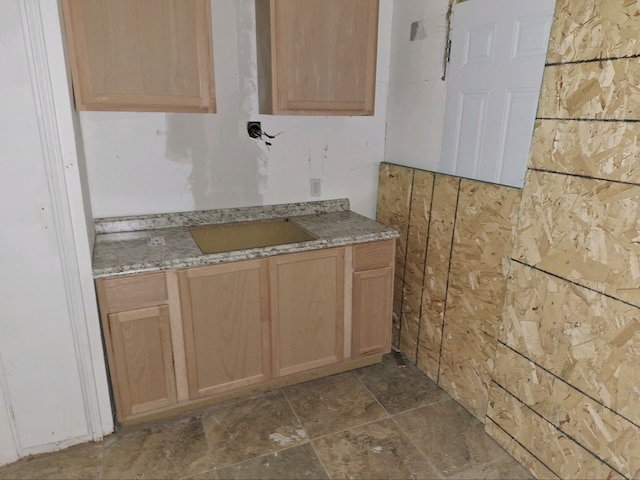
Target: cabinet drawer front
[(373, 255), (137, 291)]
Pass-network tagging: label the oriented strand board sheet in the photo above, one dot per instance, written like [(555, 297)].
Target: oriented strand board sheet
[(557, 451), (615, 439), (483, 238), (585, 230), (589, 340), (595, 29), (607, 150), (394, 196), (606, 89), (438, 255), (414, 267), (519, 453)]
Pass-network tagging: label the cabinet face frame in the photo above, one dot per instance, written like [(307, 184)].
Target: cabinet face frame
[(273, 25), (80, 55)]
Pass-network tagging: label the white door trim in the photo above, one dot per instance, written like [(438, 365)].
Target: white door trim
[(42, 39)]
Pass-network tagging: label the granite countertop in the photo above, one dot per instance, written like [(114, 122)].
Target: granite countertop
[(148, 243)]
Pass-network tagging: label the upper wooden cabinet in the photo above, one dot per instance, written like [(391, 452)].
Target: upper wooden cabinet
[(141, 55), (317, 57)]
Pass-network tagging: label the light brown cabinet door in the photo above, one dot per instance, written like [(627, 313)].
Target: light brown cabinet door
[(317, 57), (307, 309), (225, 315), (372, 309), (141, 55), (142, 355)]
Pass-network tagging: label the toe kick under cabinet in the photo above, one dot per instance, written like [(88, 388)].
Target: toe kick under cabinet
[(181, 339)]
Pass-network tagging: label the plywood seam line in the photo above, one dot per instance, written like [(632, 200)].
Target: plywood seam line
[(608, 295), (446, 294), (404, 267), (521, 445), (557, 377), (424, 269), (560, 430), (587, 119), (580, 175), (592, 60)]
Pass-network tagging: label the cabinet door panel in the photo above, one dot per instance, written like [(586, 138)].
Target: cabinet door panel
[(141, 341), (372, 305), (323, 56), (141, 55), (226, 327), (307, 310)]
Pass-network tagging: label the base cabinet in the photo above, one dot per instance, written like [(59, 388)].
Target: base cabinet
[(179, 338), (226, 326)]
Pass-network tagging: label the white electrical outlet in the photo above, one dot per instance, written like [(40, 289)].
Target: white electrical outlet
[(316, 187)]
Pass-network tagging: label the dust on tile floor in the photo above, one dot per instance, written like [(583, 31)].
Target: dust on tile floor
[(378, 422)]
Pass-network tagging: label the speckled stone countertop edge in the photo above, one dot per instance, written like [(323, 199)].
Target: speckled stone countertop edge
[(223, 215), (237, 255)]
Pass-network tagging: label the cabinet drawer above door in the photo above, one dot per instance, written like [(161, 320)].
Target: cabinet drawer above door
[(136, 291)]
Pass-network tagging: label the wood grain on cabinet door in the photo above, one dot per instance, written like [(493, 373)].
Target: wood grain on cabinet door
[(225, 315), (141, 55), (323, 56), (307, 303), (143, 358), (372, 305)]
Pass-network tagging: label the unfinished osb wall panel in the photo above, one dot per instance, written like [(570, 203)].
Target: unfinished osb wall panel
[(438, 257), (565, 383), (616, 439), (456, 288), (608, 150), (589, 340), (482, 244), (557, 451), (612, 30), (418, 232), (518, 452), (582, 229), (394, 199), (604, 89)]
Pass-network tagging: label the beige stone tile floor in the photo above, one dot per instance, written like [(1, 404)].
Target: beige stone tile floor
[(378, 422)]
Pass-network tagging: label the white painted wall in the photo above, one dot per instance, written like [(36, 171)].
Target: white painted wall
[(142, 163), (52, 375), (415, 112)]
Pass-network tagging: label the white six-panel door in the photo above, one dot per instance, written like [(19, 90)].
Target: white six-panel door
[(498, 49)]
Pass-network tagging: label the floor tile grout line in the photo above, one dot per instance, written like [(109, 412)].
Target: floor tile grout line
[(373, 394), (423, 454), (324, 467)]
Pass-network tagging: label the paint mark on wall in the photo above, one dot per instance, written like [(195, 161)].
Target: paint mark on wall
[(417, 31)]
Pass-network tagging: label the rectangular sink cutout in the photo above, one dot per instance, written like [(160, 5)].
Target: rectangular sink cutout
[(240, 236)]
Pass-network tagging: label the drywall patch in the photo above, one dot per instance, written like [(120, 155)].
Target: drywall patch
[(184, 137)]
